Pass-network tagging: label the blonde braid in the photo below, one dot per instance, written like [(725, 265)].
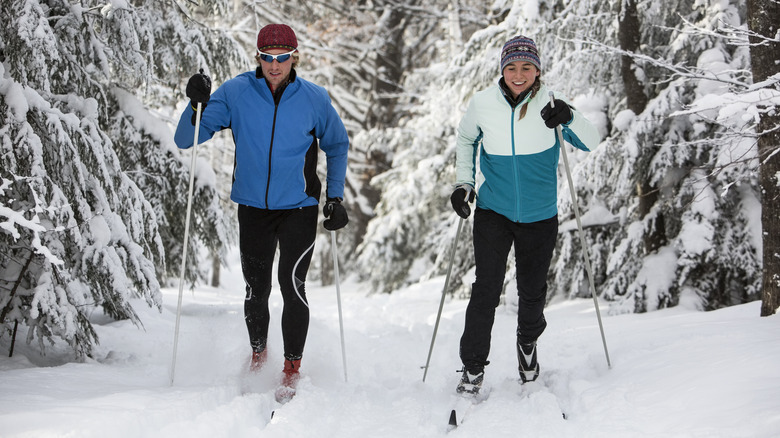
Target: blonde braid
[(534, 89)]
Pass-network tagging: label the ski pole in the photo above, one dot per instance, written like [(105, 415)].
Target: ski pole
[(338, 299), (443, 294), (186, 238), (576, 207)]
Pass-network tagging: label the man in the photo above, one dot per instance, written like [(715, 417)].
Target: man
[(277, 120)]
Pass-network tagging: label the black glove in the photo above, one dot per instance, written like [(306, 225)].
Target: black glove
[(559, 114), (335, 214), (199, 91), (460, 200), (199, 88)]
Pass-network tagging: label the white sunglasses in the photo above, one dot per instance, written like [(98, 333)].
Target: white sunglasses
[(269, 58)]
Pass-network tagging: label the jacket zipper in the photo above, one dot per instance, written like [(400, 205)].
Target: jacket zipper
[(514, 165), (270, 154)]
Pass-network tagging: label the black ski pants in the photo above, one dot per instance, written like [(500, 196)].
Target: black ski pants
[(260, 232), (534, 243)]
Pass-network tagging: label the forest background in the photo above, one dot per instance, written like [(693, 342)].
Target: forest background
[(679, 201)]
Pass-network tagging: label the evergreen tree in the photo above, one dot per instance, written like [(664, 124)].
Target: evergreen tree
[(679, 186), (91, 190)]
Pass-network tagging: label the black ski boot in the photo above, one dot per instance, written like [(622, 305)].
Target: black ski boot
[(470, 384), (526, 357)]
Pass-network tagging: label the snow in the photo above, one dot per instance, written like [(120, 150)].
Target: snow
[(623, 120), (675, 373), (657, 275), (152, 125), (11, 219), (13, 95)]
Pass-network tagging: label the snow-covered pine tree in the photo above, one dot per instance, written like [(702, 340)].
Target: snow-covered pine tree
[(682, 187), (78, 231), (182, 41)]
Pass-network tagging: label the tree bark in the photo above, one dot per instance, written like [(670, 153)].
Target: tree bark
[(389, 70), (629, 36), (763, 21), (216, 266), (655, 231)]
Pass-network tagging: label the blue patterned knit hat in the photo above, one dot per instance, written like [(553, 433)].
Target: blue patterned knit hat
[(520, 48)]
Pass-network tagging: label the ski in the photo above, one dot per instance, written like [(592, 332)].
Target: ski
[(453, 423), (538, 385), (282, 395), (463, 404), (273, 411)]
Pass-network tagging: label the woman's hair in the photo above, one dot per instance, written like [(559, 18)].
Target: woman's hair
[(534, 89)]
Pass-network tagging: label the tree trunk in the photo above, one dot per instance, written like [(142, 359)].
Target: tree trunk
[(763, 20), (629, 36), (216, 266), (655, 231), (389, 69)]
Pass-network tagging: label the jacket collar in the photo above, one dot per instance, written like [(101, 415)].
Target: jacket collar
[(508, 94), (277, 95)]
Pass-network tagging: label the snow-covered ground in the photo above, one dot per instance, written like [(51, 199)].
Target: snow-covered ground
[(675, 373)]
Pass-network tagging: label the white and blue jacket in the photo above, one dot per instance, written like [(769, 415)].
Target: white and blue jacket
[(276, 142), (518, 157)]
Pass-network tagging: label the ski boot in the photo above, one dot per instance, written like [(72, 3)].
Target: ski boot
[(526, 357), (470, 384), (258, 360), (290, 377)]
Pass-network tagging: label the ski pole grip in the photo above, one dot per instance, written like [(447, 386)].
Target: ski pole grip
[(552, 99)]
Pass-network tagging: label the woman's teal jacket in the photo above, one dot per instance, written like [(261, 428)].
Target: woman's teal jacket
[(518, 158)]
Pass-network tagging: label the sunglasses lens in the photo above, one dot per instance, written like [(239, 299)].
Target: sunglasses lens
[(270, 58)]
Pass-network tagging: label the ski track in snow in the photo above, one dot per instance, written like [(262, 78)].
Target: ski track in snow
[(675, 373)]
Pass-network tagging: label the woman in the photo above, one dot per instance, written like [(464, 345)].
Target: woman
[(513, 124)]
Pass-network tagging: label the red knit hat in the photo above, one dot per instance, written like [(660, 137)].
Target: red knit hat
[(276, 36)]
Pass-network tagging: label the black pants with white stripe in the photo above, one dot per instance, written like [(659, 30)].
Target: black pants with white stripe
[(534, 243), (260, 232)]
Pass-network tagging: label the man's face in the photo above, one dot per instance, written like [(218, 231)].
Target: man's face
[(275, 72)]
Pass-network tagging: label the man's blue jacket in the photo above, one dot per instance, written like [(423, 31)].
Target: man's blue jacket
[(276, 142)]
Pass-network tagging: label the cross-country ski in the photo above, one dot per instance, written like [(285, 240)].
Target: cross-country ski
[(463, 403)]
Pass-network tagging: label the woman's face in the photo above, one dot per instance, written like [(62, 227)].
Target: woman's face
[(275, 72), (520, 76)]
